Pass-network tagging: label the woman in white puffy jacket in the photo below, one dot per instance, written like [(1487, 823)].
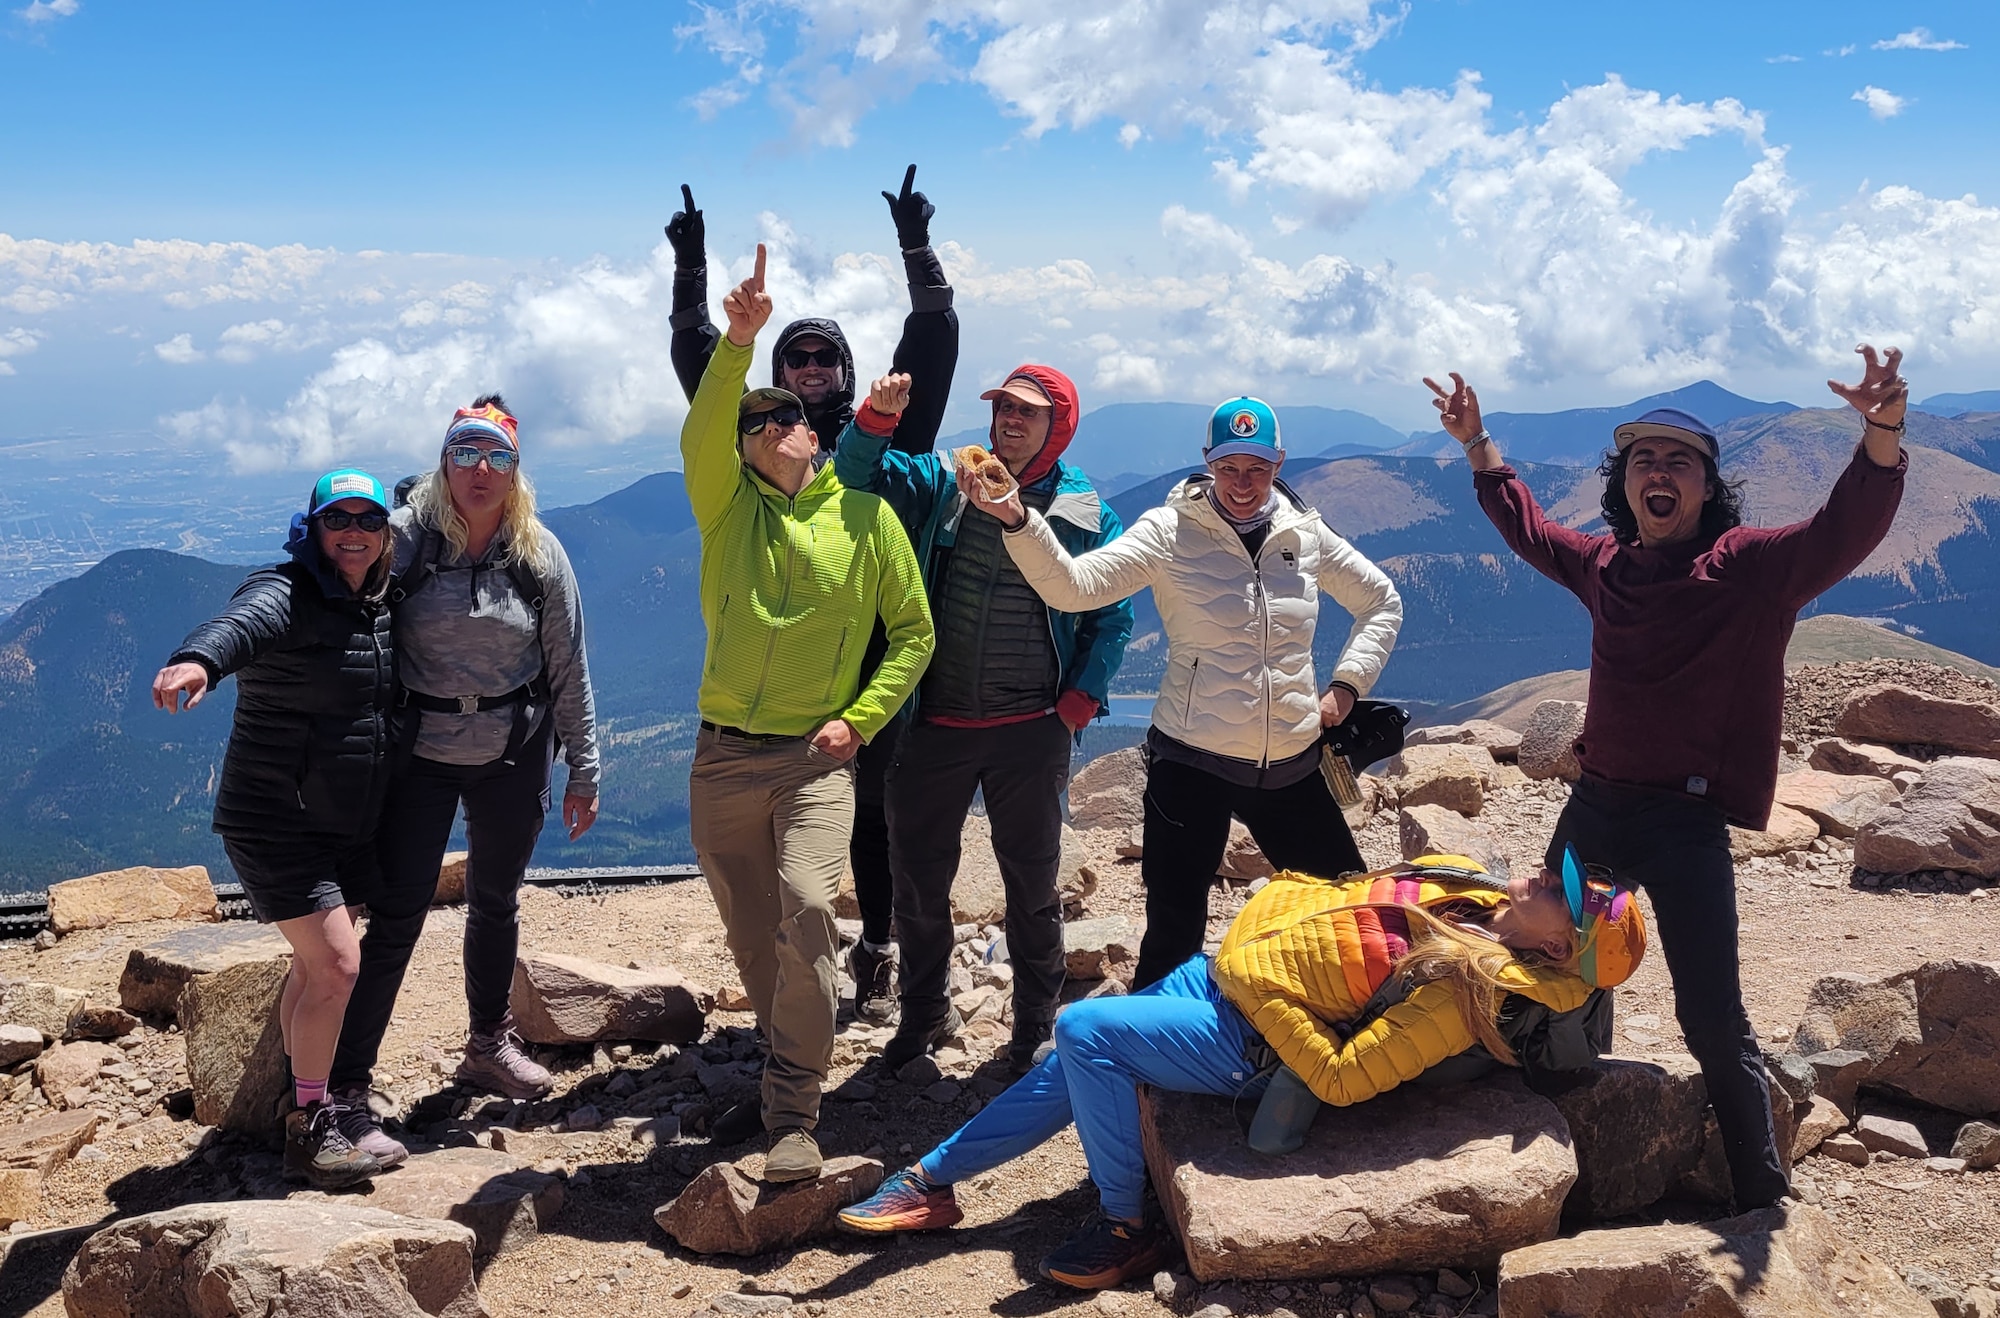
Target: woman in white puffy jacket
[(1237, 564)]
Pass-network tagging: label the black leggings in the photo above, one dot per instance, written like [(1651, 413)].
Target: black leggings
[(1677, 848), (868, 848), (1299, 827), (504, 809)]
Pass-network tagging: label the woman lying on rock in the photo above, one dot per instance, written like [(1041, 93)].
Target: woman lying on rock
[(303, 779), (1295, 985)]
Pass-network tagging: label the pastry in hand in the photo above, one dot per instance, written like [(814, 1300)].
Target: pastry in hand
[(990, 472)]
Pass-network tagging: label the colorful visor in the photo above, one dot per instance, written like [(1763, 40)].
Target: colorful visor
[(1611, 930), (488, 422)]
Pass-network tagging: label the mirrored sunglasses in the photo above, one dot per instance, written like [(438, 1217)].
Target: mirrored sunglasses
[(500, 460), (335, 519), (784, 416)]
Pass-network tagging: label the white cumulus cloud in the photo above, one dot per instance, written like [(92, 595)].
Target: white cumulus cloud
[(48, 11), (179, 350), (1882, 104), (14, 343), (1918, 38)]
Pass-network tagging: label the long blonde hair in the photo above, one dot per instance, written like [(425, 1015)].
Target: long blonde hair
[(1472, 965), (524, 539)]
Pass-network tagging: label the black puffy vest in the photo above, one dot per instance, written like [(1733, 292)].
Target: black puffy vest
[(995, 656), (309, 753)]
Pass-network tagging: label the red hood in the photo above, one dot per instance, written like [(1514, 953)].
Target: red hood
[(1062, 426)]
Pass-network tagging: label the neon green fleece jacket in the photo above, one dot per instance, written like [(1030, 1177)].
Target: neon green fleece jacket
[(791, 588)]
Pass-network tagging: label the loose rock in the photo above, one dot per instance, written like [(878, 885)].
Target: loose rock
[(1901, 716), (1930, 1032), (1787, 830), (1822, 1120), (1845, 1148), (45, 1008), (1880, 1134), (1838, 1073), (1455, 777), (1548, 745), (93, 1021), (1838, 804), (1497, 740), (1838, 755), (129, 896), (235, 1051), (261, 1257), (1100, 948), (67, 1068), (1979, 1144), (723, 1210), (19, 1043), (1432, 830), (156, 972), (1242, 859), (1949, 820), (568, 999)]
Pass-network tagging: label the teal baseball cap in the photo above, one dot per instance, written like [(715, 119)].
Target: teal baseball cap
[(1245, 426), (346, 483)]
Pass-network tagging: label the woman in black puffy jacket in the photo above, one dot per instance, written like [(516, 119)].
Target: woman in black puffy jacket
[(303, 779)]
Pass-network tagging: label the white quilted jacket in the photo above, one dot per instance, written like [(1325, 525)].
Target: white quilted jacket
[(1240, 678)]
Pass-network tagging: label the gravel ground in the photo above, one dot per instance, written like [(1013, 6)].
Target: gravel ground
[(1815, 693), (1803, 915)]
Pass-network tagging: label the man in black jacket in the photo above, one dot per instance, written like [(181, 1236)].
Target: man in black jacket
[(811, 359)]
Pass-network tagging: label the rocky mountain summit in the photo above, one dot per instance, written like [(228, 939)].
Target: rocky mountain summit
[(139, 1076)]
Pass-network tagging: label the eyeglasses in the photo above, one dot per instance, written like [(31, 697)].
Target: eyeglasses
[(798, 358), (334, 519), (468, 455), (784, 416)]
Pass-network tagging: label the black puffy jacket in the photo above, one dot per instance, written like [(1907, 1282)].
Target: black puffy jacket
[(316, 678)]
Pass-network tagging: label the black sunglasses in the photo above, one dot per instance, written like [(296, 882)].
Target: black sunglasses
[(334, 519), (784, 416), (798, 358)]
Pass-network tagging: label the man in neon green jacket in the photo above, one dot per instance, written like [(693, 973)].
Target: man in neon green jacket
[(795, 568)]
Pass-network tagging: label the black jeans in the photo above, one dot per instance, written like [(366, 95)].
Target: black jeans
[(504, 808), (1677, 848), (1187, 830), (1021, 769), (868, 848)]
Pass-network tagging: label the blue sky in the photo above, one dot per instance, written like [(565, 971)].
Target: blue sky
[(294, 234)]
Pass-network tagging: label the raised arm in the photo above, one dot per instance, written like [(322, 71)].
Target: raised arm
[(694, 336), (863, 460), (711, 462), (928, 351)]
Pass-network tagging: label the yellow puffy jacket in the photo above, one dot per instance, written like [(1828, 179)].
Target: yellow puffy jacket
[(1306, 954)]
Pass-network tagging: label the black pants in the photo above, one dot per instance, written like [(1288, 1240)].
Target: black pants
[(868, 848), (1677, 848), (504, 809), (1021, 769), (1187, 830)]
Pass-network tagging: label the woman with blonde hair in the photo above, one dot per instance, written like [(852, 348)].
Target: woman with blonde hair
[(489, 627), (1293, 986)]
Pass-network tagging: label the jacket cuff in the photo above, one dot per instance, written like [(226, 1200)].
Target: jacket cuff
[(693, 318), (1353, 681), (928, 289), (875, 423), (197, 657)]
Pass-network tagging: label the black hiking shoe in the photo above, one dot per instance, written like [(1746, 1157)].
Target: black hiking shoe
[(872, 971), (907, 1044), (1110, 1253)]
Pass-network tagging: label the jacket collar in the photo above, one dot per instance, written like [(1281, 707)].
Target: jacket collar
[(822, 483), (1190, 499)]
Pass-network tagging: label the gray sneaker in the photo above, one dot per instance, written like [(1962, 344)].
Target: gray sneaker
[(357, 1121), (317, 1153), (499, 1063), (794, 1156)]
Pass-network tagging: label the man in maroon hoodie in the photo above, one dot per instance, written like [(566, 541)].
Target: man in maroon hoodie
[(1011, 682), (1690, 614)]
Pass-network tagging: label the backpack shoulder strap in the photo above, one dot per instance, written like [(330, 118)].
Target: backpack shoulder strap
[(423, 566)]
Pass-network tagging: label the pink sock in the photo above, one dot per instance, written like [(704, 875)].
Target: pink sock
[(308, 1092)]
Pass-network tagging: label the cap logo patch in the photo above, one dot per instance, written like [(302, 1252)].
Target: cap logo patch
[(1244, 424), (351, 484)]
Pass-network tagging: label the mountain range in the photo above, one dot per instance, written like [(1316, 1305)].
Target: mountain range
[(92, 777)]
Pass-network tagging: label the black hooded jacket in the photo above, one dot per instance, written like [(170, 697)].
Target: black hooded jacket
[(928, 352), (315, 672)]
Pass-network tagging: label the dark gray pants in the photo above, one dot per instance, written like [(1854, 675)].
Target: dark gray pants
[(1021, 769)]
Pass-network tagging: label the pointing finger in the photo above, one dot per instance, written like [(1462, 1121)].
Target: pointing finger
[(757, 277), (687, 198), (909, 177)]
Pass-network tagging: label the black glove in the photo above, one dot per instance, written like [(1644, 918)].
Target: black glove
[(912, 212), (686, 234)]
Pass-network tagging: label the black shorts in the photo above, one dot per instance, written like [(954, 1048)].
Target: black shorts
[(286, 878)]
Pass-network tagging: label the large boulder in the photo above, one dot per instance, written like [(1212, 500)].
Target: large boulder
[(30, 1151), (1949, 820), (1455, 777), (1498, 740), (274, 1259), (1106, 947), (1897, 715), (67, 1071), (1110, 792), (235, 1051), (156, 972), (1418, 1180), (1779, 1262), (129, 896), (1787, 830), (568, 999), (45, 1008), (727, 1209), (979, 897), (1242, 859), (505, 1202), (1432, 830), (1838, 803), (1839, 755), (1548, 744), (1932, 1034)]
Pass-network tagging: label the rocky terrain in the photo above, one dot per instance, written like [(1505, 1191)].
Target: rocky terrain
[(137, 1068)]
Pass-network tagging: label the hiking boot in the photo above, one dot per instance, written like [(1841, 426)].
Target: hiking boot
[(1031, 1044), (1110, 1253), (907, 1044), (737, 1123), (317, 1153), (794, 1156), (871, 972), (363, 1128), (907, 1201), (497, 1062)]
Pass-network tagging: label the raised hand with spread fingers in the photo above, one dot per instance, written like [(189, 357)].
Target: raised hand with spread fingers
[(1882, 398)]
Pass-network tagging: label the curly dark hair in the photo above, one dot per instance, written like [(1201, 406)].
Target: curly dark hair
[(1722, 509), (493, 400)]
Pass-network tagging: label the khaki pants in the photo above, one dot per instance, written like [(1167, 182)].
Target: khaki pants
[(770, 823)]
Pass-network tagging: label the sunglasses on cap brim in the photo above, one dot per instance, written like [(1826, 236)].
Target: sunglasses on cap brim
[(784, 416), (339, 519), (468, 455)]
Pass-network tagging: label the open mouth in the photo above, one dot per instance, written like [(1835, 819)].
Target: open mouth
[(1661, 503)]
